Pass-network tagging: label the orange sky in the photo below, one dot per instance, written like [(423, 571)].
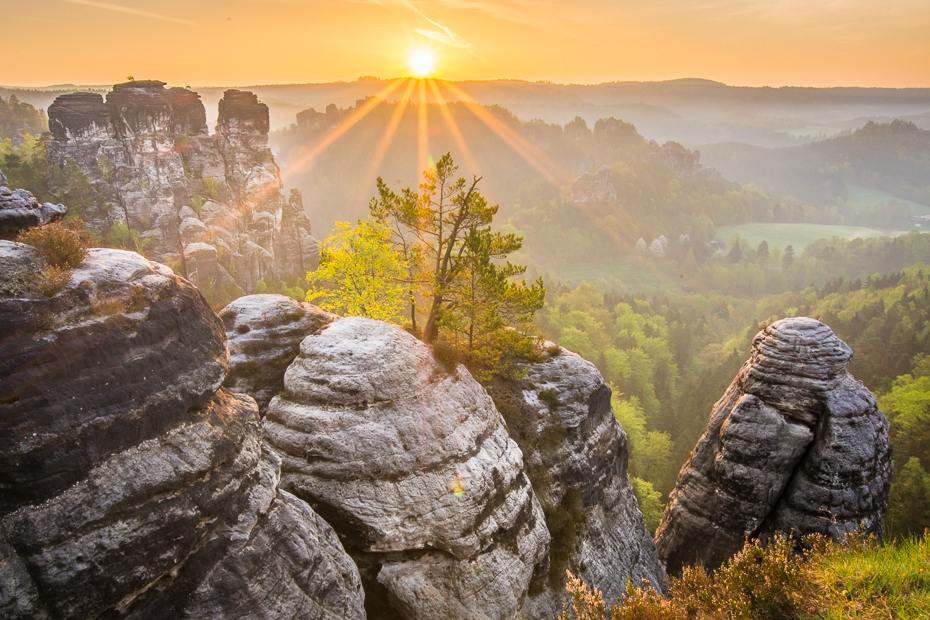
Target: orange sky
[(243, 42)]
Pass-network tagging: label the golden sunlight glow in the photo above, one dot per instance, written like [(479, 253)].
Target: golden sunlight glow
[(422, 63)]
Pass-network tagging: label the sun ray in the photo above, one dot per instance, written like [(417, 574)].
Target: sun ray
[(453, 127), (343, 127), (380, 152), (533, 156), (422, 131), (304, 161)]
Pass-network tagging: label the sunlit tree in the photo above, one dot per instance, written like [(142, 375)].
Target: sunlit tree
[(360, 273)]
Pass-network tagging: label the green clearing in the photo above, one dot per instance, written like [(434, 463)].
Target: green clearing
[(797, 235), (864, 197), (813, 131)]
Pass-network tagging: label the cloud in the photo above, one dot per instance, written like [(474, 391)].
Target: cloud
[(123, 9)]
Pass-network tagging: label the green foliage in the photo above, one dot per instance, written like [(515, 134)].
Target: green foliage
[(105, 166), (210, 189), (453, 263), (120, 236), (650, 502), (363, 272), (20, 120), (197, 205)]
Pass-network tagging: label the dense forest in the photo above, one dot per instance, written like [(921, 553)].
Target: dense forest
[(19, 121), (669, 360)]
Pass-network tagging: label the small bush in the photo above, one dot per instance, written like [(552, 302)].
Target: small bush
[(242, 329), (108, 307), (137, 300), (448, 356), (554, 350), (550, 397), (52, 279), (57, 245)]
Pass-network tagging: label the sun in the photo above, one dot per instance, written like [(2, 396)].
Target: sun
[(422, 63)]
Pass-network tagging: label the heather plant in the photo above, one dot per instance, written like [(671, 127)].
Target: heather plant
[(58, 245), (854, 578)]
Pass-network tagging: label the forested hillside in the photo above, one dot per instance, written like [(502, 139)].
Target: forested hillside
[(17, 120), (891, 157), (670, 358)]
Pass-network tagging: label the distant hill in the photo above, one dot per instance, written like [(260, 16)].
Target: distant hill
[(889, 157), (691, 111)]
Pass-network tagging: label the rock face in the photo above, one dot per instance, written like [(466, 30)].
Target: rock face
[(264, 333), (151, 159), (131, 484), (576, 454), (594, 187), (20, 209), (796, 444), (412, 466)]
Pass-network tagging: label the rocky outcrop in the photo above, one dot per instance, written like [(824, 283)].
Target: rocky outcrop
[(264, 333), (684, 163), (131, 484), (594, 187), (19, 209), (147, 152), (796, 445), (411, 464), (576, 455)]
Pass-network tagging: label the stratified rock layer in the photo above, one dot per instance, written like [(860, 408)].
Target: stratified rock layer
[(576, 454), (150, 158), (413, 468), (796, 444), (131, 485), (264, 333), (20, 209)]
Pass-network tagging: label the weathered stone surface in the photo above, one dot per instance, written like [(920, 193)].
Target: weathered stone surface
[(413, 468), (576, 455), (3, 180), (264, 333), (150, 157), (594, 187), (796, 444), (131, 485), (20, 209)]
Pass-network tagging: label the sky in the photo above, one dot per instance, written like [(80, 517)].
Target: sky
[(250, 42)]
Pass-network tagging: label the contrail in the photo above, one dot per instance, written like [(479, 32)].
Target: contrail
[(124, 9)]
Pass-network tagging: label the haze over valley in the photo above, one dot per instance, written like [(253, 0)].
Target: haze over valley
[(556, 307)]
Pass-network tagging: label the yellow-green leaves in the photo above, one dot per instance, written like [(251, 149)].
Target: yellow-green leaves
[(360, 274)]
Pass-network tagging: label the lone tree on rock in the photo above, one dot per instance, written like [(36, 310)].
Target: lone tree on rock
[(443, 232)]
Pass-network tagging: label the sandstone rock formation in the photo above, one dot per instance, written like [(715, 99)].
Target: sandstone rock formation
[(412, 465), (594, 187), (264, 333), (796, 444), (131, 484), (151, 159), (20, 209), (576, 455)]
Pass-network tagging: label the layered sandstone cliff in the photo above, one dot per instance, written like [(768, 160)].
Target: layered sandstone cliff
[(264, 333), (576, 454), (795, 445), (131, 484), (213, 206), (411, 464)]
